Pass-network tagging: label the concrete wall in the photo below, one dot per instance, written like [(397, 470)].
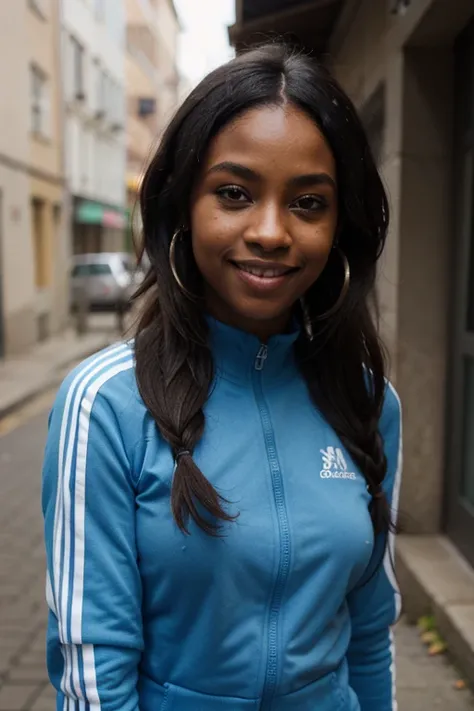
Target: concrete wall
[(46, 161), (411, 55), (17, 293)]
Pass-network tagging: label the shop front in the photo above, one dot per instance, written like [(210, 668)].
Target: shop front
[(98, 227)]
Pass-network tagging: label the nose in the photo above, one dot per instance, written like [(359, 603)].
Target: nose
[(268, 230)]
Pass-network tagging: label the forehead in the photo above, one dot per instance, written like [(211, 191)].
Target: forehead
[(273, 138)]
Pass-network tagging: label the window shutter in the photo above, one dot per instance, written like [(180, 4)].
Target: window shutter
[(46, 128)]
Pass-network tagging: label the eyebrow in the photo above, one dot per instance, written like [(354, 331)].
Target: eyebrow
[(299, 181)]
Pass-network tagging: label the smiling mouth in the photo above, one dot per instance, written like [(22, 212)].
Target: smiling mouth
[(265, 272), (263, 278)]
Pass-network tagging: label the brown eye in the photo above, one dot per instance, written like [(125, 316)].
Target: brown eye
[(310, 203), (232, 193)]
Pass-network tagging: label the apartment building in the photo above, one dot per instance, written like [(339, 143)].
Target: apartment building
[(48, 199), (33, 239), (93, 51), (152, 83)]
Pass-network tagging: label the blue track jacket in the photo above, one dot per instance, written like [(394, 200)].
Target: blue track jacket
[(275, 615)]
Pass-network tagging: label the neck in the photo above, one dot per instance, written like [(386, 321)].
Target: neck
[(263, 329)]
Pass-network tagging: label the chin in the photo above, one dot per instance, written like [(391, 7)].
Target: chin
[(262, 312)]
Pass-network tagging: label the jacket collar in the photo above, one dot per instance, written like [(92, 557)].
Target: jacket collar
[(239, 355)]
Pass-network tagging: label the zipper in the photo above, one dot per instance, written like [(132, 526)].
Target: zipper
[(261, 357), (271, 674)]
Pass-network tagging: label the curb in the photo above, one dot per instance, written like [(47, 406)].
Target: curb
[(436, 580), (55, 377)]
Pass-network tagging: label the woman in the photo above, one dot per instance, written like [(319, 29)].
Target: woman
[(219, 494)]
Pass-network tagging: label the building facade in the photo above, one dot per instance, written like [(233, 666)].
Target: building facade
[(152, 84), (409, 67), (93, 51), (33, 239), (48, 198)]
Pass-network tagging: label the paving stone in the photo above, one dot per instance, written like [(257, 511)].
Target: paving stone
[(16, 697), (426, 683), (26, 673), (6, 656), (39, 643), (33, 658), (46, 701), (422, 700)]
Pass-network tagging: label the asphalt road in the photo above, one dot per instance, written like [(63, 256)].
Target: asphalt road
[(424, 683)]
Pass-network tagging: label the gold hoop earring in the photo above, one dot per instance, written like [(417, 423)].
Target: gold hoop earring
[(172, 259), (345, 288)]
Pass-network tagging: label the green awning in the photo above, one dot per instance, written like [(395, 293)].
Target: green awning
[(89, 212)]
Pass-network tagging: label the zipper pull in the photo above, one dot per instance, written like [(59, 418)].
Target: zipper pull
[(261, 358)]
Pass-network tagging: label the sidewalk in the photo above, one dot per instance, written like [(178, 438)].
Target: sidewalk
[(27, 375), (425, 683)]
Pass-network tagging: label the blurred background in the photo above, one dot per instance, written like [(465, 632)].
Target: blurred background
[(86, 89)]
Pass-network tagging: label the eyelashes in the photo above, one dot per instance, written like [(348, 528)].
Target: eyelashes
[(236, 197)]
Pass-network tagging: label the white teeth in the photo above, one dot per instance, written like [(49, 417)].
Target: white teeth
[(263, 273)]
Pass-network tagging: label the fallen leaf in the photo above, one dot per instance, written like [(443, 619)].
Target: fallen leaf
[(429, 637), (436, 648), (426, 623)]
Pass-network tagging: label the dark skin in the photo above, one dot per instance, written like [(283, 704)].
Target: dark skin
[(263, 217)]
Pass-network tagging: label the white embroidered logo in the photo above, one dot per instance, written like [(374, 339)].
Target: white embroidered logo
[(334, 465)]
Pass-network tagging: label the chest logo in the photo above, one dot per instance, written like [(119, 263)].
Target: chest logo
[(334, 465)]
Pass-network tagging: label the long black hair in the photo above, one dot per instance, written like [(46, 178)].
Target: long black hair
[(343, 363)]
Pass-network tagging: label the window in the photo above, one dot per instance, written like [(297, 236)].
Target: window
[(146, 106), (113, 103), (78, 69), (117, 108), (99, 89), (40, 102), (39, 243)]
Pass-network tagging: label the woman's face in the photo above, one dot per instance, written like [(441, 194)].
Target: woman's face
[(263, 217)]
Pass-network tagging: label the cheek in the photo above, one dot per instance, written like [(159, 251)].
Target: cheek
[(316, 247), (213, 232)]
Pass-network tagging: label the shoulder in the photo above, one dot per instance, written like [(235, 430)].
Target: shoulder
[(391, 432), (392, 407), (107, 371), (103, 385)]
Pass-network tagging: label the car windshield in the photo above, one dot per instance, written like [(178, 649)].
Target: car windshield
[(98, 269), (128, 266)]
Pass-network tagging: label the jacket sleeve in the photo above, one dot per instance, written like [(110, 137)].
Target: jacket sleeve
[(95, 636), (375, 603)]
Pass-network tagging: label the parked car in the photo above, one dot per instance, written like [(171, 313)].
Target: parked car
[(108, 279)]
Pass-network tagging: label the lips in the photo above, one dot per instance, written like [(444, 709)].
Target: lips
[(262, 276), (264, 271)]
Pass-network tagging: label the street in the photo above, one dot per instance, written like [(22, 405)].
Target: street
[(424, 683)]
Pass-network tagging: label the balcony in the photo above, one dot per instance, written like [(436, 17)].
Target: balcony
[(301, 22)]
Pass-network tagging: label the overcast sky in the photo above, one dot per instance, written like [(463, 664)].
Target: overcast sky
[(204, 42)]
